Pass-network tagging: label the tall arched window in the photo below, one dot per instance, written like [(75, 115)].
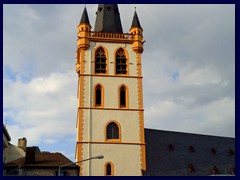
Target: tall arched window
[(123, 97), (109, 171), (112, 131), (98, 95), (100, 61), (121, 62)]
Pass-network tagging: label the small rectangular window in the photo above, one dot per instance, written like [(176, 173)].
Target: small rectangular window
[(123, 98), (109, 173)]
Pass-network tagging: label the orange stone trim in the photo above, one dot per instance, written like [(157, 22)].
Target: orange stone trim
[(105, 75), (111, 142), (141, 115), (79, 155), (111, 37), (120, 109)]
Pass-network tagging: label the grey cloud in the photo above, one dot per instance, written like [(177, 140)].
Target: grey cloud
[(40, 40)]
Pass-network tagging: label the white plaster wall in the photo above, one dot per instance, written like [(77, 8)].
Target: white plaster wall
[(111, 98), (129, 165), (87, 93), (126, 158), (128, 120), (88, 60), (111, 91), (86, 125), (111, 84)]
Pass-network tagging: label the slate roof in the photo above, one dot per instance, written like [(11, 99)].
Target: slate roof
[(84, 19), (171, 153), (44, 159), (108, 19), (135, 22)]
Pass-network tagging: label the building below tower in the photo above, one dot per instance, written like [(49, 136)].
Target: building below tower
[(171, 153)]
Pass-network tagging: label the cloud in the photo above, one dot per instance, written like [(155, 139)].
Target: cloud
[(194, 43), (210, 119), (188, 69), (43, 109)]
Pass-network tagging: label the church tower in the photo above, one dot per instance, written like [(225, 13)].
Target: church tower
[(110, 119)]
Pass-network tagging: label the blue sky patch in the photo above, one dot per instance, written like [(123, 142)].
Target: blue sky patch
[(8, 74), (175, 75)]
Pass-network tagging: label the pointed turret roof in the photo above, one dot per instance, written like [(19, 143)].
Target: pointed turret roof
[(135, 22), (108, 19), (85, 19)]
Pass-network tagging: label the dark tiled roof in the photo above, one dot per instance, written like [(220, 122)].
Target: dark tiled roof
[(108, 19), (84, 19), (5, 131), (172, 153), (135, 22), (44, 159)]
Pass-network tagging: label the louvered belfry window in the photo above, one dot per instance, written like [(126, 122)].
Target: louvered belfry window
[(121, 62), (100, 61)]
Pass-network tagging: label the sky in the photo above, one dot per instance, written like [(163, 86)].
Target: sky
[(188, 69)]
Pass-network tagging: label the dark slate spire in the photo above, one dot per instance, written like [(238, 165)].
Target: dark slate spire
[(108, 19), (84, 19), (135, 22)]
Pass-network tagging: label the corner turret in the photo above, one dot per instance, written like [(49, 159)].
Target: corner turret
[(136, 31), (84, 29), (83, 42)]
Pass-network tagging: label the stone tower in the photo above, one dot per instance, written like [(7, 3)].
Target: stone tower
[(110, 119)]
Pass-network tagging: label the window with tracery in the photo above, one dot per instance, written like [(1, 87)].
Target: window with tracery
[(121, 62), (100, 61)]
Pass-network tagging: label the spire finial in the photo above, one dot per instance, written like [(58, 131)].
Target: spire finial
[(135, 9)]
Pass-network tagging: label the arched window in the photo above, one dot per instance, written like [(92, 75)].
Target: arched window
[(98, 95), (123, 97), (112, 131), (121, 62), (109, 169), (100, 61)]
